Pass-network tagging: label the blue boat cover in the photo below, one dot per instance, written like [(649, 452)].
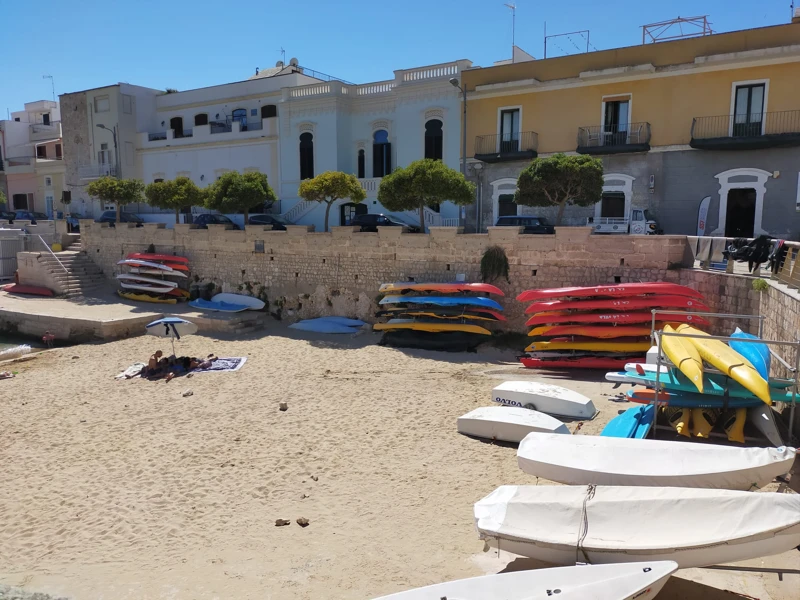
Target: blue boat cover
[(323, 326), (217, 306)]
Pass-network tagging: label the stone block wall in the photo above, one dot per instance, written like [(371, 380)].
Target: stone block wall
[(309, 273)]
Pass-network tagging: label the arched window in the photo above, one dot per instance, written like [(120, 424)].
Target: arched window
[(240, 114), (306, 155), (176, 124), (268, 111), (433, 139), (201, 119), (381, 153), (362, 170)]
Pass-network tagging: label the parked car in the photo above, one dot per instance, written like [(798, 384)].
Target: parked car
[(73, 222), (110, 217), (372, 222), (7, 216), (29, 215), (278, 222), (206, 219), (530, 223)]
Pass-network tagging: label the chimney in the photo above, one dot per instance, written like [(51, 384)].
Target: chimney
[(796, 16)]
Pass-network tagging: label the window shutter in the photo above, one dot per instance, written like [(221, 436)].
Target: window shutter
[(377, 160)]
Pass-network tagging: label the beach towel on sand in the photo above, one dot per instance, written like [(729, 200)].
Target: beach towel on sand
[(131, 371), (222, 365)]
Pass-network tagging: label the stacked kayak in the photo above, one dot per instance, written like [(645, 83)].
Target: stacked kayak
[(601, 327), (437, 316), (694, 399), (152, 277)]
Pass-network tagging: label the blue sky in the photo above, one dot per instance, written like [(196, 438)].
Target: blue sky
[(186, 44)]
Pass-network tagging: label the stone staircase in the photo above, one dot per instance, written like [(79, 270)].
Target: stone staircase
[(73, 272)]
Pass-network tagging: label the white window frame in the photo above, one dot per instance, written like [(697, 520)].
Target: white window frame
[(500, 187), (500, 110), (107, 98), (757, 180), (603, 112), (736, 84)]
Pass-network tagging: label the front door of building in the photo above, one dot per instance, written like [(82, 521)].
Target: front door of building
[(506, 207), (349, 210), (740, 215), (48, 205), (612, 205)]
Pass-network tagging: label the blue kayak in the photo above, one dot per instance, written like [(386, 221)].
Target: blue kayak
[(217, 306), (633, 423), (757, 354), (324, 325), (443, 301)]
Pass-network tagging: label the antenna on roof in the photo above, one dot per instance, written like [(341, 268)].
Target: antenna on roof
[(687, 27), (513, 8), (283, 56)]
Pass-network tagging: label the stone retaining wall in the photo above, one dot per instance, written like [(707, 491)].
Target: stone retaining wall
[(306, 274)]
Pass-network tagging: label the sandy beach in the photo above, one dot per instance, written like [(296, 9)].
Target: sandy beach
[(129, 489)]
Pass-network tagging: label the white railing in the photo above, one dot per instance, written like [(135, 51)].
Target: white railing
[(432, 218), (94, 171), (451, 222), (375, 88), (430, 72), (313, 90), (370, 185), (298, 210)]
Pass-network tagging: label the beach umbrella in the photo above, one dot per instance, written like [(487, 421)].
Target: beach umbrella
[(172, 328)]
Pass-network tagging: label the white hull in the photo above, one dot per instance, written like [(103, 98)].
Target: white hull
[(240, 299), (507, 424), (146, 288), (144, 263), (546, 398), (642, 581), (151, 271), (584, 460), (763, 419), (139, 279), (693, 527)]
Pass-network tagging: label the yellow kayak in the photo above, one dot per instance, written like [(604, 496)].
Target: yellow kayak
[(685, 356), (146, 298), (703, 421), (730, 362), (397, 324), (679, 418), (599, 346)]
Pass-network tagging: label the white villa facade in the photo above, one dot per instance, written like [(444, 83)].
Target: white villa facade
[(282, 122)]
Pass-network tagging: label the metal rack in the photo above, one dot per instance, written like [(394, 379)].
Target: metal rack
[(661, 360)]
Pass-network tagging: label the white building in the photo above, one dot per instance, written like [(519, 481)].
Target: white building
[(287, 122)]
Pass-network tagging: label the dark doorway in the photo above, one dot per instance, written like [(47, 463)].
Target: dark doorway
[(201, 119), (176, 124), (349, 210), (46, 119), (361, 165), (268, 111), (740, 216), (506, 207), (306, 155), (433, 139), (41, 151), (20, 201), (381, 154), (613, 205)]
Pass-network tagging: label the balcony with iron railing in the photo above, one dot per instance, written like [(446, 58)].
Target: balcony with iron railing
[(614, 139), (521, 145), (221, 130), (746, 131)]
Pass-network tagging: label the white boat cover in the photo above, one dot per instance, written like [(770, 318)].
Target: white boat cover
[(136, 278), (584, 582), (250, 302), (544, 397), (589, 459), (600, 524), (146, 287), (507, 423)]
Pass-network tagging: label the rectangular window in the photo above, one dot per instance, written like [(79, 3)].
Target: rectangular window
[(253, 112), (361, 165), (127, 104), (615, 125), (58, 151), (48, 182), (509, 130), (46, 119), (41, 151), (102, 104), (749, 109)]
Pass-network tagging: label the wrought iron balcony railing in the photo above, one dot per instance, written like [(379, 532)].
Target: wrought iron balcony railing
[(610, 139), (506, 146)]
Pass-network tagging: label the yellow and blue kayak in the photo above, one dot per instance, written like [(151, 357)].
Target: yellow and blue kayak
[(431, 326), (685, 356)]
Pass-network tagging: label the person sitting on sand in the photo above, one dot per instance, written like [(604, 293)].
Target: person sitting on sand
[(48, 339)]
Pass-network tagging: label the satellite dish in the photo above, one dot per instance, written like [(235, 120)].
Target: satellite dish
[(293, 62), (279, 63)]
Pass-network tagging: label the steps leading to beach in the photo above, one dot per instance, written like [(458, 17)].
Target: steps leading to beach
[(73, 272)]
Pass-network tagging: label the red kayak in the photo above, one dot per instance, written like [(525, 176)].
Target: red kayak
[(620, 290), (623, 318), (30, 290), (585, 362), (594, 331), (404, 287), (633, 303), (158, 257)]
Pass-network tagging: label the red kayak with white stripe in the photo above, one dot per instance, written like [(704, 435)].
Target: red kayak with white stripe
[(626, 304), (623, 318), (620, 290)]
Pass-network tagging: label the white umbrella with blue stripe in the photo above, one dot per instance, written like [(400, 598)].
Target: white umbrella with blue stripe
[(172, 328)]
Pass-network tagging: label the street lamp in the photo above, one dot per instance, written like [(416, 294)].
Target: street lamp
[(454, 82), (113, 131)]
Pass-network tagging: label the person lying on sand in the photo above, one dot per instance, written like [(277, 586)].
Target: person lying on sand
[(203, 363), (6, 375)]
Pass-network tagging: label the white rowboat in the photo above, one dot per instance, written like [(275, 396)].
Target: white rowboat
[(544, 397), (642, 581), (694, 527), (507, 424), (586, 459)]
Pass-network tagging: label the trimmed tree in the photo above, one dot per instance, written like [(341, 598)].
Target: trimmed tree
[(118, 191), (561, 180), (176, 195), (2, 199), (330, 186), (425, 182), (234, 192)]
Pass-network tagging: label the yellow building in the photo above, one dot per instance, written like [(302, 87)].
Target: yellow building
[(674, 122)]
